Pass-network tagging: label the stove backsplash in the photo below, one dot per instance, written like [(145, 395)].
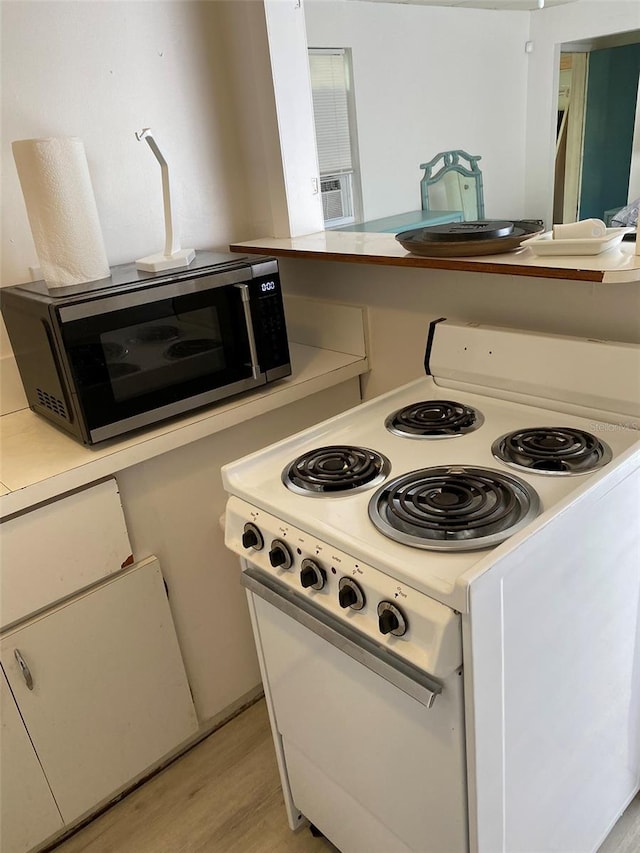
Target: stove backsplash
[(592, 378)]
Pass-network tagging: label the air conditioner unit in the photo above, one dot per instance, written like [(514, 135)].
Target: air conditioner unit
[(337, 199)]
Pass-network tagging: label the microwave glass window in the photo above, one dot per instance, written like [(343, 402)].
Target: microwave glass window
[(147, 356)]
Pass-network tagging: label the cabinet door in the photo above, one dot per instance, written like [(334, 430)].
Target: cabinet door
[(28, 813), (109, 695), (52, 552)]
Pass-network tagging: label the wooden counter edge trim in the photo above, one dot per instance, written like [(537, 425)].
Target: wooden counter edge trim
[(416, 261)]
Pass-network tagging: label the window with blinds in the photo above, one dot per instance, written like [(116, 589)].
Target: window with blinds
[(335, 133)]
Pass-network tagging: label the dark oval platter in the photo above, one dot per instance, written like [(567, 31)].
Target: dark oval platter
[(466, 239)]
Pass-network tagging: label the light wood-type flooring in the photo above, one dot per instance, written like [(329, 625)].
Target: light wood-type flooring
[(224, 796)]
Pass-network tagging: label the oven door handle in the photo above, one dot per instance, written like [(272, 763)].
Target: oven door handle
[(385, 663), (246, 307)]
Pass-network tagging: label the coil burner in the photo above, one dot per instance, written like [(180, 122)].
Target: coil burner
[(448, 508), (434, 419), (552, 450), (336, 468)]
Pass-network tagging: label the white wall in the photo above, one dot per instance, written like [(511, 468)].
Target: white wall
[(571, 22), (294, 109), (428, 79), (431, 79), (102, 71), (200, 75), (276, 139)]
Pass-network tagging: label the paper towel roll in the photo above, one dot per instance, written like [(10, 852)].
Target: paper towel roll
[(56, 185), (584, 229)]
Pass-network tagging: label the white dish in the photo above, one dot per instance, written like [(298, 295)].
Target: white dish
[(544, 244)]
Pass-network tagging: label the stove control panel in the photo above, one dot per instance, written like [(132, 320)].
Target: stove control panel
[(423, 631)]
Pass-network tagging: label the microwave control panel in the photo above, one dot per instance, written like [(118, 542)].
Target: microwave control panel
[(269, 322)]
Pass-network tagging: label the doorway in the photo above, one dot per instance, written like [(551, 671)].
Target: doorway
[(597, 100)]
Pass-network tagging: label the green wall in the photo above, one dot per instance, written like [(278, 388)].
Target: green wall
[(608, 133)]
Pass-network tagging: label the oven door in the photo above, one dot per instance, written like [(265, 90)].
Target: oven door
[(376, 762), (142, 356)]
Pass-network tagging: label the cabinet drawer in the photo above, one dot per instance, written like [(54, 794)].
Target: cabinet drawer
[(55, 550)]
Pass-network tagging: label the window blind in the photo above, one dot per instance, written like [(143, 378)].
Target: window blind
[(330, 109)]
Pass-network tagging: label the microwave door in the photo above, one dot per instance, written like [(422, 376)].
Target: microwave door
[(145, 361)]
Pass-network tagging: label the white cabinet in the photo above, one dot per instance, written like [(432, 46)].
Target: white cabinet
[(28, 812), (57, 549), (102, 689)]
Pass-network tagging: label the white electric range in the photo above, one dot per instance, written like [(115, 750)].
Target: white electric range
[(444, 585)]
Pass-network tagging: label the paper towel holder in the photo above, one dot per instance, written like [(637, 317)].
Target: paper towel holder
[(173, 256)]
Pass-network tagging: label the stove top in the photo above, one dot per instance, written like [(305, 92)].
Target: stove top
[(383, 522)]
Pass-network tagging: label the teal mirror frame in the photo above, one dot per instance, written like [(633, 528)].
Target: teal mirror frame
[(451, 163)]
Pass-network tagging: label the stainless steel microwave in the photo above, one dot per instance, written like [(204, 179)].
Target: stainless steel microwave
[(107, 357)]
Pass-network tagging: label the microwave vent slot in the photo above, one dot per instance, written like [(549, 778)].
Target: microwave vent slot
[(53, 404)]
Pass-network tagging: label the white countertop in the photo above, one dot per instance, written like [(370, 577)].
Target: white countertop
[(617, 265), (39, 462)]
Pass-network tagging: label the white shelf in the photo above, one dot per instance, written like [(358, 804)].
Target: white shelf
[(39, 462)]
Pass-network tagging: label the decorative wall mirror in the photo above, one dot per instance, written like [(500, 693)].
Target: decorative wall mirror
[(452, 181)]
